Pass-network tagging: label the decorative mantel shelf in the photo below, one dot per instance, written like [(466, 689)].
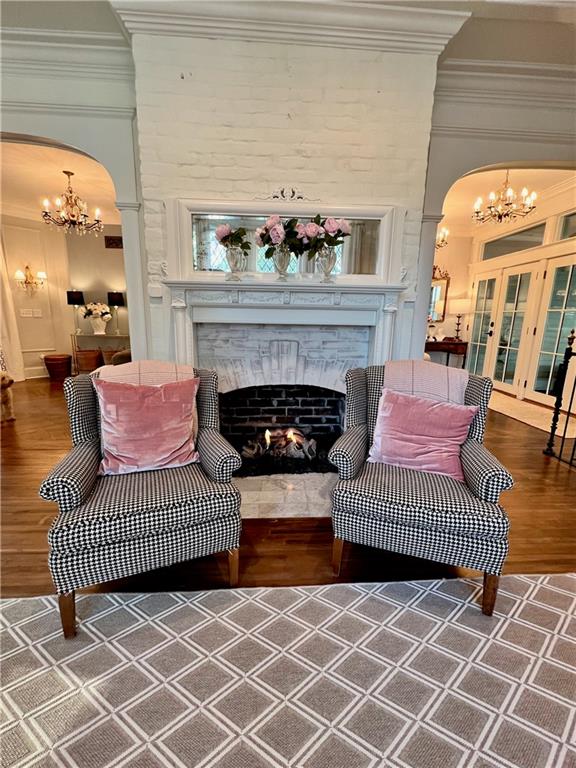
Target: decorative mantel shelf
[(302, 331)]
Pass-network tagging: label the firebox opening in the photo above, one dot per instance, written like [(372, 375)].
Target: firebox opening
[(282, 428)]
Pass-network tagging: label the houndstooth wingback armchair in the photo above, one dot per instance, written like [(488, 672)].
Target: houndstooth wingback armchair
[(418, 513), (109, 527)]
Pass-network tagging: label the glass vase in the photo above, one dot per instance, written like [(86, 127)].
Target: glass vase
[(236, 261), (326, 260), (281, 259)]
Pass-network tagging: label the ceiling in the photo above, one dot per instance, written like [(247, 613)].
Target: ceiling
[(31, 173), (459, 201)]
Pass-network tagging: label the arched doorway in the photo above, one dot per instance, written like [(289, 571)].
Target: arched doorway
[(519, 278), (37, 319)]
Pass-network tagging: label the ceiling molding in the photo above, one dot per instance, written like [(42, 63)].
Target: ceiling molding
[(469, 81), (74, 55), (503, 134), (67, 37), (347, 24), (81, 110)]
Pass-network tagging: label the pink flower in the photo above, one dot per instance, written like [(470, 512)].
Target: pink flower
[(301, 232), (344, 226), (331, 225), (222, 231), (273, 221), (277, 234), (259, 232), (313, 230)]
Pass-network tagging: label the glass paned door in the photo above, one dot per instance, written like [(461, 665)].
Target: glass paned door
[(510, 324), (482, 325), (560, 319)]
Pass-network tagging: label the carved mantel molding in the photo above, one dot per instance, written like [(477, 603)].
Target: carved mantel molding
[(311, 331)]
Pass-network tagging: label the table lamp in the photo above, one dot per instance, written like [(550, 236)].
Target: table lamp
[(459, 307), (115, 300), (75, 299)]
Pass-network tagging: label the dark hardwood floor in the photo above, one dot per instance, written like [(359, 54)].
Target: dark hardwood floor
[(542, 508)]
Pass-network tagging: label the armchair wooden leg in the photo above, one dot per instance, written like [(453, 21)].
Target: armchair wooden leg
[(67, 606), (489, 593), (233, 566), (337, 550)]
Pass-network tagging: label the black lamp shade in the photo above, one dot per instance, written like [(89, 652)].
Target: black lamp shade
[(115, 299), (74, 298)]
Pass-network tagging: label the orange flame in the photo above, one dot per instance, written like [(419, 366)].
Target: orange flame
[(267, 436), (290, 435)]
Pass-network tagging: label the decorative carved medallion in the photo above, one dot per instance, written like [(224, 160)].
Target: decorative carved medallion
[(287, 194)]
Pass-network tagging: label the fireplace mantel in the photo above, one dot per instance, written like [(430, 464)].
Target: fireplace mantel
[(291, 311)]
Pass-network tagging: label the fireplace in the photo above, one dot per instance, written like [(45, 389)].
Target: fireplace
[(282, 428)]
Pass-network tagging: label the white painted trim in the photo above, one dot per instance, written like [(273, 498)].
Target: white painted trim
[(67, 37), (510, 84), (553, 250), (76, 110), (503, 134), (342, 25)]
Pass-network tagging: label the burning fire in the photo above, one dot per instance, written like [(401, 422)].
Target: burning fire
[(267, 436), (291, 436)]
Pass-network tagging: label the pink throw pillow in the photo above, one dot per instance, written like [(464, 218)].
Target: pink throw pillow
[(146, 426), (422, 434)]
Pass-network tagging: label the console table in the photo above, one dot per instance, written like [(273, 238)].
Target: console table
[(453, 347), (104, 342)]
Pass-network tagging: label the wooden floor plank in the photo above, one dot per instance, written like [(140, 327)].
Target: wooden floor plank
[(542, 509)]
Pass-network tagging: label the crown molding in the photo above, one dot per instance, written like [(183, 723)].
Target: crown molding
[(503, 134), (82, 110), (345, 24), (48, 55), (67, 37), (506, 83)]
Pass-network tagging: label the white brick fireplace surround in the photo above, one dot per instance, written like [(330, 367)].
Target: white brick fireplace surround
[(236, 99), (264, 332)]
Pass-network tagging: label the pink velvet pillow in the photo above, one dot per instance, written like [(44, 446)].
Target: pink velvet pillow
[(418, 433), (146, 426)]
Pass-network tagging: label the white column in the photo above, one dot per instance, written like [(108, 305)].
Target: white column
[(135, 285), (425, 266), (184, 351), (384, 332)]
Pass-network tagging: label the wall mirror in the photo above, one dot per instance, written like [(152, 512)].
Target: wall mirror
[(357, 256), (438, 295), (373, 250)]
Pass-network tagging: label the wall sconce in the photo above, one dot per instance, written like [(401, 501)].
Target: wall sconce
[(115, 300), (27, 281), (75, 299)]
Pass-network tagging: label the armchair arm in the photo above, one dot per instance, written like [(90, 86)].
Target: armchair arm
[(217, 457), (72, 479), (348, 453), (484, 474)]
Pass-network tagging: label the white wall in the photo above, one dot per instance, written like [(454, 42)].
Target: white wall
[(42, 249), (95, 270), (233, 120), (455, 259)]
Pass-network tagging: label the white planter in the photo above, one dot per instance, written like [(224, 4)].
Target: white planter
[(98, 325)]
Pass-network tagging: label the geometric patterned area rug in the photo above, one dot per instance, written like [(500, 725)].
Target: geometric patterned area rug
[(407, 674)]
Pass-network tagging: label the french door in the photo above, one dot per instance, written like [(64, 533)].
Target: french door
[(521, 320), (481, 337), (557, 317), (512, 339)]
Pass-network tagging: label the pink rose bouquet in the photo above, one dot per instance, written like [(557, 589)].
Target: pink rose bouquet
[(229, 237), (324, 232), (276, 232)]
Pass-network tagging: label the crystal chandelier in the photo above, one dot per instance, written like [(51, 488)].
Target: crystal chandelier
[(504, 205), (72, 212), (442, 238)]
